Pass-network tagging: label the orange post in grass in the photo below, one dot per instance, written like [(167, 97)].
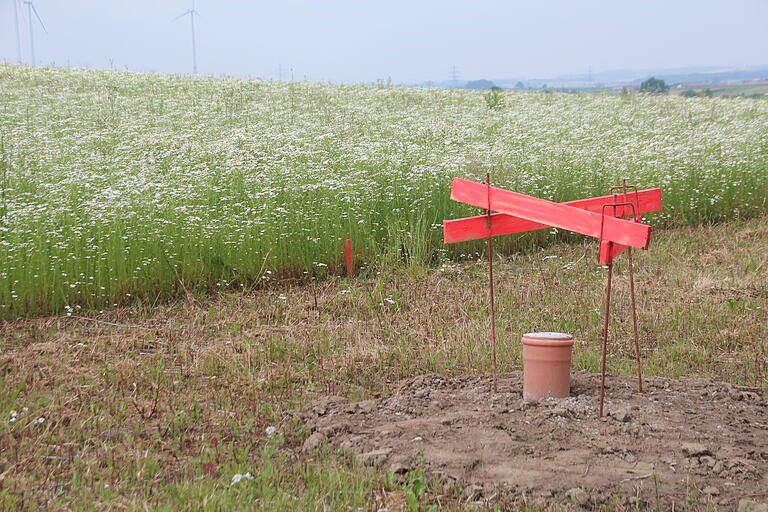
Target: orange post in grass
[(348, 259)]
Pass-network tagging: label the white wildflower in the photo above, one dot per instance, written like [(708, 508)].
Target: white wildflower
[(238, 477)]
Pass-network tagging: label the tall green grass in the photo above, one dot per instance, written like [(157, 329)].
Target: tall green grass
[(119, 187)]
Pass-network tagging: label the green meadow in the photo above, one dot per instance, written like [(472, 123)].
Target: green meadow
[(124, 188)]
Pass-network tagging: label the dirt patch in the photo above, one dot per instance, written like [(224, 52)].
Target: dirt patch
[(683, 439)]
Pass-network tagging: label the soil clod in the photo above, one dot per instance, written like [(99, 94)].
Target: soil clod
[(578, 495), (695, 450)]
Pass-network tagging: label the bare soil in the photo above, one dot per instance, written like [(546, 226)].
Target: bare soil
[(683, 439)]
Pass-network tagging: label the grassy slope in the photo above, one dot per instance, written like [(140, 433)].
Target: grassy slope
[(124, 185), (741, 90), (750, 90), (133, 398)]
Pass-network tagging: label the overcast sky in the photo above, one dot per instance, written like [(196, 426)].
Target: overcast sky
[(409, 40)]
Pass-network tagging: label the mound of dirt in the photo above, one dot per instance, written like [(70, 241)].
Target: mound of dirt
[(682, 439)]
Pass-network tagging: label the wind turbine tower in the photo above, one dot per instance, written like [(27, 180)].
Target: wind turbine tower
[(18, 36), (31, 10), (192, 13)]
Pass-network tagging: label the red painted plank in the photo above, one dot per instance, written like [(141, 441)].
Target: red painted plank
[(474, 228), (553, 214)]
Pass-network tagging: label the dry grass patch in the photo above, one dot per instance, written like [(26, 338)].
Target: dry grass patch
[(161, 405)]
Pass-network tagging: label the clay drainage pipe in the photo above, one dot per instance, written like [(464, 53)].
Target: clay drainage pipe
[(546, 365)]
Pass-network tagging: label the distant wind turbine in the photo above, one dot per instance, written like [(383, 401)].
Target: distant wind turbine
[(192, 13), (30, 10), (18, 36)]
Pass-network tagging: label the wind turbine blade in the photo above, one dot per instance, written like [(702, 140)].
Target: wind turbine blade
[(181, 15), (34, 10)]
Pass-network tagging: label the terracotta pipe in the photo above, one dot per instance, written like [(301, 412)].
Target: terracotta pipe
[(546, 365)]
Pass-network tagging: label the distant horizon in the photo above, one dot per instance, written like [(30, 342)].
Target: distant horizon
[(639, 72), (344, 41)]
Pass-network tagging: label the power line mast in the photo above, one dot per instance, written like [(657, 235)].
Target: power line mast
[(192, 13), (454, 73), (30, 11)]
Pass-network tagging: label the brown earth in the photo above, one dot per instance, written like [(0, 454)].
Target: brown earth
[(682, 440)]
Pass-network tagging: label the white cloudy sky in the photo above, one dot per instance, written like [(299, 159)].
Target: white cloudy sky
[(361, 40)]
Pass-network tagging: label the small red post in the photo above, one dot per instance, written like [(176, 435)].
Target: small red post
[(348, 257)]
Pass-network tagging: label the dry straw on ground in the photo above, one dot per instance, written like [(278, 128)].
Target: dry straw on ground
[(163, 404)]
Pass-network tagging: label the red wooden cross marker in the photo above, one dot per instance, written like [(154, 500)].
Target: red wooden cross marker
[(474, 228), (598, 217), (550, 214)]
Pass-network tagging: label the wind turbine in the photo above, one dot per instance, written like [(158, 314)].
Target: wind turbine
[(192, 13), (18, 37), (30, 10)]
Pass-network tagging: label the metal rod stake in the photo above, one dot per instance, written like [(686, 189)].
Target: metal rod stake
[(605, 335), (490, 281), (634, 319), (632, 289)]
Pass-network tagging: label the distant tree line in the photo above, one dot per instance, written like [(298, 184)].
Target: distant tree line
[(479, 84)]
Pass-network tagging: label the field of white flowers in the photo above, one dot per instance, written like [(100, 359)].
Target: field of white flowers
[(119, 187)]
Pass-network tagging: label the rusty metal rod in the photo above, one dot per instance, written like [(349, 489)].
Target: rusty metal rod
[(634, 319), (632, 288), (490, 280), (605, 335)]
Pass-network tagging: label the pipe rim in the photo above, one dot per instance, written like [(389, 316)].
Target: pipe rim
[(548, 339), (548, 335)]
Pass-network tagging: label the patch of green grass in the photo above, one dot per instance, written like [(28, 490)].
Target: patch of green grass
[(272, 479)]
